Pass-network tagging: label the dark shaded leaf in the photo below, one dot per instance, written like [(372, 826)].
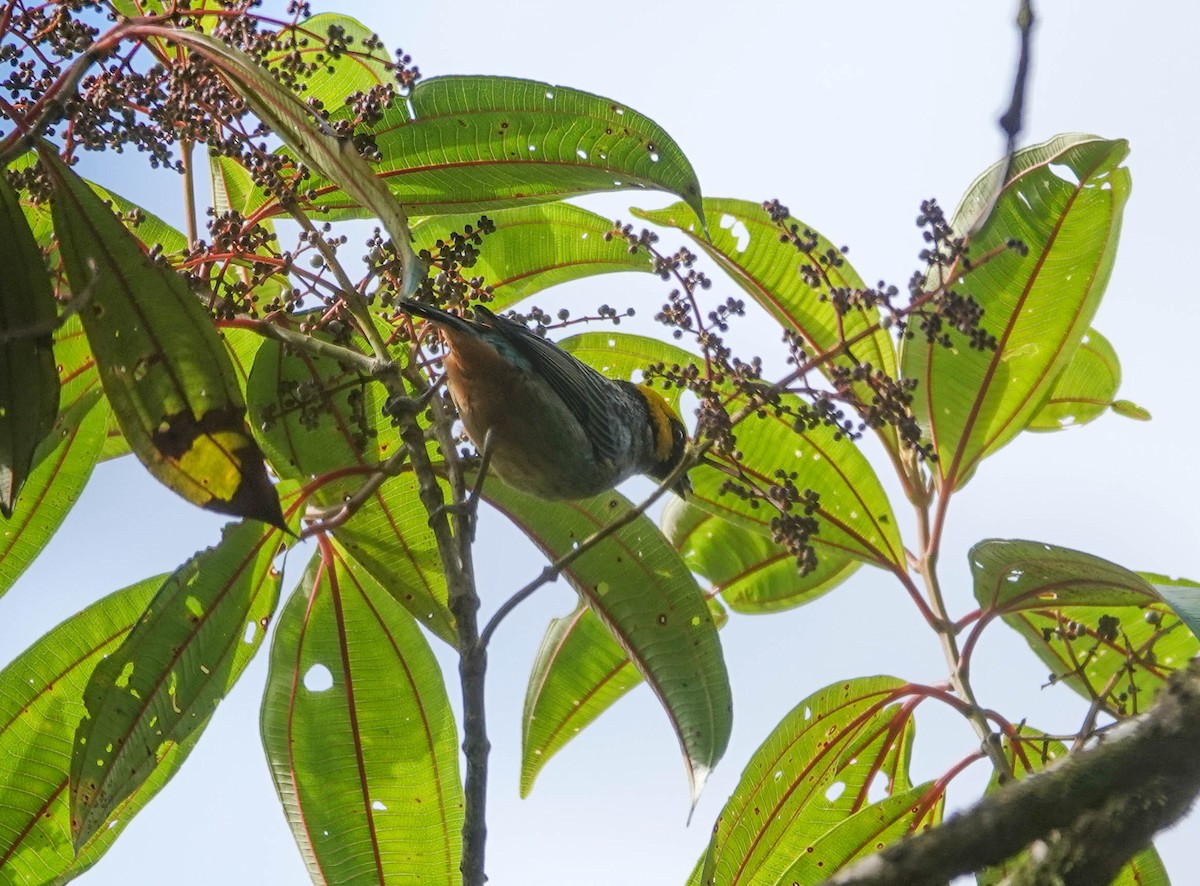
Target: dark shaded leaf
[(164, 368), (29, 392)]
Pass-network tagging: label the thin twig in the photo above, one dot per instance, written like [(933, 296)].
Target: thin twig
[(353, 299), (552, 571)]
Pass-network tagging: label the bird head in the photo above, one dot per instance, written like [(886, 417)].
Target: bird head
[(669, 436)]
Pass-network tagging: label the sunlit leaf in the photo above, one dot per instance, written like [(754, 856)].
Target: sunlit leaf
[(1130, 410), (751, 573), (359, 734), (478, 143), (866, 832), (854, 515), (163, 366), (29, 390), (1105, 631), (1063, 201), (580, 672), (797, 286), (1084, 390), (646, 598), (41, 703), (196, 637), (535, 247), (390, 537), (812, 773)]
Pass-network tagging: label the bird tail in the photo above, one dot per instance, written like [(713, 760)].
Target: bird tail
[(437, 315)]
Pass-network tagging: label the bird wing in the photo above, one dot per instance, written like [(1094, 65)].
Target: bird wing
[(586, 392)]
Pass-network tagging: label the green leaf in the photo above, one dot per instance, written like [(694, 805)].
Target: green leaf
[(354, 64), (646, 598), (359, 734), (163, 366), (1032, 752), (580, 672), (62, 466), (1130, 410), (190, 646), (311, 415), (854, 516), (312, 140), (1105, 631), (794, 285), (751, 573), (1084, 390), (478, 143), (535, 247), (41, 703), (29, 390), (391, 539), (812, 773), (866, 832), (1064, 201)]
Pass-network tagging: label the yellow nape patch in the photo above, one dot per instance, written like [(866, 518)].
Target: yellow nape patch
[(661, 415)]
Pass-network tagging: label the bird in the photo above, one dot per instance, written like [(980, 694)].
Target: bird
[(551, 425)]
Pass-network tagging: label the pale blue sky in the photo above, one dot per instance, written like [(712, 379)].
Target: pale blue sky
[(851, 114)]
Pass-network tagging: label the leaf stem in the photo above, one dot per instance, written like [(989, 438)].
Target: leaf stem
[(930, 540)]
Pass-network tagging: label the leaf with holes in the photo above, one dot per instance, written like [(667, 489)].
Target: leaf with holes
[(1084, 390), (797, 283), (579, 673), (192, 643), (164, 368), (1105, 631), (359, 733), (41, 702), (866, 832), (29, 391), (751, 573), (648, 601), (533, 247), (1032, 752), (813, 772), (467, 144), (1063, 201)]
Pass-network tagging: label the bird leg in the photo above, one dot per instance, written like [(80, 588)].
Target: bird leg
[(467, 509)]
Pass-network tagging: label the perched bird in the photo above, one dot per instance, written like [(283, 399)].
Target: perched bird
[(556, 427)]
